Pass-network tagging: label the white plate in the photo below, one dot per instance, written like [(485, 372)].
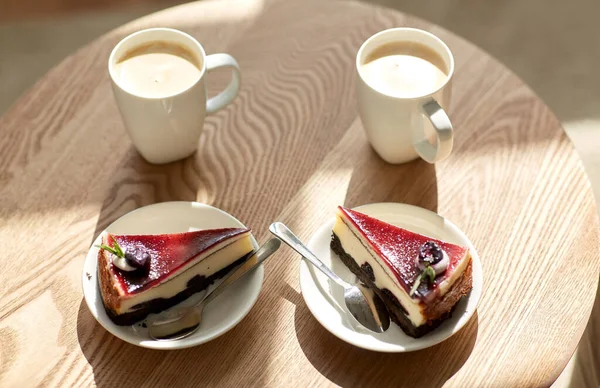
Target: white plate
[(325, 299), (173, 217)]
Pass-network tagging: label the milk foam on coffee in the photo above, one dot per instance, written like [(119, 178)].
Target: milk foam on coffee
[(157, 69), (404, 69)]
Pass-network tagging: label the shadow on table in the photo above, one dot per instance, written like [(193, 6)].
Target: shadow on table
[(347, 365), (374, 180), (116, 363), (138, 183)]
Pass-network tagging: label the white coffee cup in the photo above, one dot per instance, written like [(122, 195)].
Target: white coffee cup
[(167, 128), (401, 129)]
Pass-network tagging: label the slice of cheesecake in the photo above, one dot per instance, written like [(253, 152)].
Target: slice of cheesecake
[(143, 274), (420, 279)]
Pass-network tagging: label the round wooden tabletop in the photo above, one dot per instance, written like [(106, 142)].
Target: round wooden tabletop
[(290, 149)]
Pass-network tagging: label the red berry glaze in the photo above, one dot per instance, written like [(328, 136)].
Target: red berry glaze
[(168, 252)]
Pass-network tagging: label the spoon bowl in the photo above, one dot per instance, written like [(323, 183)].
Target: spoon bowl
[(356, 297), (362, 303)]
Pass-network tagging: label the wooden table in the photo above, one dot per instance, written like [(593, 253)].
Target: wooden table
[(291, 148)]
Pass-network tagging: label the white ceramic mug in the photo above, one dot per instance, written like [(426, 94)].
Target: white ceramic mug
[(165, 129), (402, 129)]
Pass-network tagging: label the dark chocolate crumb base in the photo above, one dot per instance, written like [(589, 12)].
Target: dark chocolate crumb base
[(395, 309), (194, 285), (368, 270)]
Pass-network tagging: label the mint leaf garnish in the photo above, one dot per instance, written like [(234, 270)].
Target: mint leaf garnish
[(115, 249), (415, 286), (428, 274)]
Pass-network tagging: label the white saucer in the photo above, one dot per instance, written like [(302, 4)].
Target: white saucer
[(221, 315), (325, 299)]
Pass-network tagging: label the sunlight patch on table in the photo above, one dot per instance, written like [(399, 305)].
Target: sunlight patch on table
[(32, 337)]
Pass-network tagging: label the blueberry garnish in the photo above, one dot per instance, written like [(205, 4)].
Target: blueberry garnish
[(137, 258), (432, 261), (430, 253)]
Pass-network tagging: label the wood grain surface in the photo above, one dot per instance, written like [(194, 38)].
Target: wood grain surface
[(290, 149)]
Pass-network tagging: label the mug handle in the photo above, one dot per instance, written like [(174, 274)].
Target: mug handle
[(443, 132), (221, 100)]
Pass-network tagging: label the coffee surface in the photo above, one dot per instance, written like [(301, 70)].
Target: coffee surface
[(157, 69), (404, 69)]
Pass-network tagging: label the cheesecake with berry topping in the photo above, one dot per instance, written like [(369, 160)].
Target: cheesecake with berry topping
[(144, 274), (420, 279)]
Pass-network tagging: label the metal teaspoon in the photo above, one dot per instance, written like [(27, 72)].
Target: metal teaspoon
[(366, 307)]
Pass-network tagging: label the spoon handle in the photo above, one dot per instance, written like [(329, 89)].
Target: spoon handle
[(287, 236), (266, 250)]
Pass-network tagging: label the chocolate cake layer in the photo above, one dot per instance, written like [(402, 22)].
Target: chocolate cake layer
[(194, 285), (395, 309)]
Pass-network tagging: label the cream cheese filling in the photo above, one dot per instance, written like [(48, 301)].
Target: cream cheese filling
[(383, 276), (218, 258)]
